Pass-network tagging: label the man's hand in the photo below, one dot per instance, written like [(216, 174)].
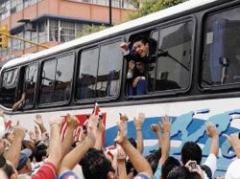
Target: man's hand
[(138, 121), (72, 121), (166, 124), (121, 133), (233, 139), (211, 130)]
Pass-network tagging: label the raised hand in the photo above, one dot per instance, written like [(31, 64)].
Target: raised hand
[(138, 121), (211, 130)]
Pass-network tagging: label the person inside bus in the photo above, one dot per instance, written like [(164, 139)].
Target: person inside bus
[(20, 103), (140, 54)]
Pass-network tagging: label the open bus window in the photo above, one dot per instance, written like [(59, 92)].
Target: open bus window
[(221, 54), (166, 62), (56, 79), (9, 88), (99, 72)]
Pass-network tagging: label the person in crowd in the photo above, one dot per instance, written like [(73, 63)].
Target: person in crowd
[(143, 168), (192, 152), (24, 164)]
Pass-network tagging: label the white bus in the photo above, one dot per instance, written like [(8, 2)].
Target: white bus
[(194, 78)]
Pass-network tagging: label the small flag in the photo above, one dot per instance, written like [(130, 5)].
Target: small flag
[(96, 109)]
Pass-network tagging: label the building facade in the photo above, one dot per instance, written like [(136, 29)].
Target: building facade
[(50, 22)]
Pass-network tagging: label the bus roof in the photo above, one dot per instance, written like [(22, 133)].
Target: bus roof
[(188, 5)]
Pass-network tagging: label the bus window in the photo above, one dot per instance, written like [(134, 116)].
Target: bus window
[(99, 72), (56, 80), (64, 77), (173, 57), (9, 87), (110, 65), (30, 80), (221, 53), (160, 60), (87, 74), (47, 82)]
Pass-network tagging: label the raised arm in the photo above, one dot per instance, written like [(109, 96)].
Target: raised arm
[(165, 139), (14, 150), (55, 149), (75, 155), (138, 161), (99, 136), (213, 134), (234, 141), (138, 122), (68, 136)]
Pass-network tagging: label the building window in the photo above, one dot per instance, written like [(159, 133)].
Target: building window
[(53, 30), (67, 31), (221, 53), (115, 3), (42, 32)]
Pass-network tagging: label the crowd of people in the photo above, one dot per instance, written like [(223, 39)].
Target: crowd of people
[(57, 153)]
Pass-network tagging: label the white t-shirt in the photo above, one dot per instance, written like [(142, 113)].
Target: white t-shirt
[(233, 171)]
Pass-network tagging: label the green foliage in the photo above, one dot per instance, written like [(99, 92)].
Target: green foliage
[(149, 6), (88, 29)]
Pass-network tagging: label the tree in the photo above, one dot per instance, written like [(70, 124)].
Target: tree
[(88, 29), (149, 6)]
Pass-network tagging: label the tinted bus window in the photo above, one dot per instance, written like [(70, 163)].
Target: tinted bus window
[(56, 80), (9, 87), (171, 70), (99, 74), (221, 54), (87, 74), (30, 80), (47, 82), (110, 64), (64, 76)]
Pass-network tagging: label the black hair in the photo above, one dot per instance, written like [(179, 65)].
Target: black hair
[(95, 165), (153, 159), (191, 151), (182, 172), (8, 170), (40, 152), (168, 165)]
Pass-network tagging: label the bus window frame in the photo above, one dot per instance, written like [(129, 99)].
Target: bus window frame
[(205, 15), (158, 27), (92, 46), (59, 103), (17, 85), (36, 85)]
